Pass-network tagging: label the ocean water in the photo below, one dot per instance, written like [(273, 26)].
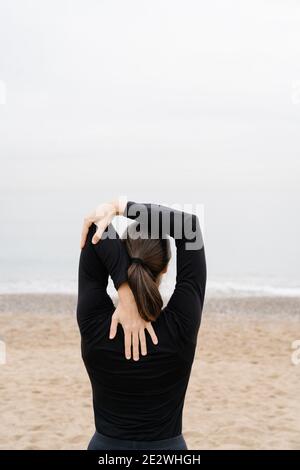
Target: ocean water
[(40, 249), (215, 288)]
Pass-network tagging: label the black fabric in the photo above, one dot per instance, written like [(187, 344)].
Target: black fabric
[(141, 400), (101, 442)]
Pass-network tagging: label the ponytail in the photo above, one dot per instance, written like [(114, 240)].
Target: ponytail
[(145, 290), (149, 258)]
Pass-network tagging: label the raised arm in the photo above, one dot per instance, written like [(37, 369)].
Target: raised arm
[(112, 254), (113, 260), (187, 300), (96, 263)]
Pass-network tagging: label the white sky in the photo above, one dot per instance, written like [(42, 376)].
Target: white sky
[(165, 101)]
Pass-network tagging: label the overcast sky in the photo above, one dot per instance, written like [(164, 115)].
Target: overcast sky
[(164, 101)]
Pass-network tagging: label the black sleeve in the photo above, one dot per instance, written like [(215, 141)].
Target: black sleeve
[(187, 300), (113, 255), (108, 257)]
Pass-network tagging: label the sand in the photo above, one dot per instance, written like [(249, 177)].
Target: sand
[(243, 392)]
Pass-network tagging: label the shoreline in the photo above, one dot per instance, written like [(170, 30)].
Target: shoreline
[(61, 303)]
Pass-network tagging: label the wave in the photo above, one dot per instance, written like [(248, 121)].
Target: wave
[(38, 287), (215, 288), (245, 289)]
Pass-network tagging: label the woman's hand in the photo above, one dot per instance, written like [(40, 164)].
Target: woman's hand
[(102, 217), (126, 312), (133, 325)]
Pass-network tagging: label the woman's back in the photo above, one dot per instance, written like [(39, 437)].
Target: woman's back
[(138, 400)]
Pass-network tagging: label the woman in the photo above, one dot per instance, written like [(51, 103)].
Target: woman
[(139, 404)]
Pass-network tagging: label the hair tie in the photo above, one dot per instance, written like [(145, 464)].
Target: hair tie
[(145, 266), (137, 261)]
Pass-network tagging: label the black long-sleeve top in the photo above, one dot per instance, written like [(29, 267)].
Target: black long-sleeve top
[(141, 400)]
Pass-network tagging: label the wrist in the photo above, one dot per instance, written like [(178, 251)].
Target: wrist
[(125, 294)]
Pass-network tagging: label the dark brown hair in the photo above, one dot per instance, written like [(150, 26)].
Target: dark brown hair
[(154, 255)]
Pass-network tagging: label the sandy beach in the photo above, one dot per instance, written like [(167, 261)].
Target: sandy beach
[(243, 392)]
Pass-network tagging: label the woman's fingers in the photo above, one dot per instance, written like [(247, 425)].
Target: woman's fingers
[(113, 327), (134, 339), (127, 341), (102, 217), (152, 332), (135, 345), (143, 342), (85, 228), (101, 227), (97, 235)]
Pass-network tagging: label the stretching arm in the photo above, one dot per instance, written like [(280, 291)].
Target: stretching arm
[(111, 259), (186, 302)]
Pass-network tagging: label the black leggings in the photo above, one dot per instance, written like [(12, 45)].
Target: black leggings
[(101, 442)]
